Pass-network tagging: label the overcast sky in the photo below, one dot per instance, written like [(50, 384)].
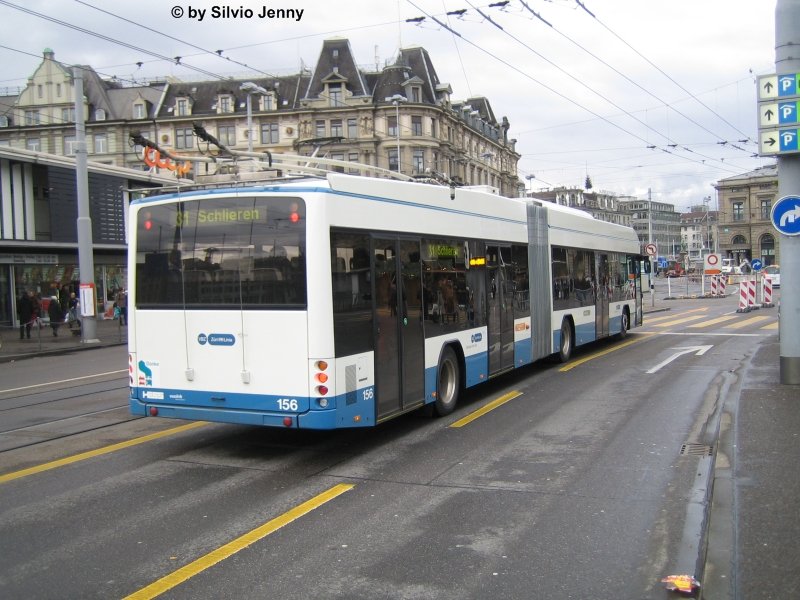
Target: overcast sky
[(641, 95)]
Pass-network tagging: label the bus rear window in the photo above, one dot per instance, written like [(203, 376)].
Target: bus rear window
[(222, 252)]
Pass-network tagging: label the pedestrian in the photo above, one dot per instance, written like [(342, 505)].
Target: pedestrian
[(55, 314), (25, 314), (122, 305), (73, 310)]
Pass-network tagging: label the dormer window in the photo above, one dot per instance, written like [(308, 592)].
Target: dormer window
[(139, 110), (225, 104), (3, 121), (336, 94), (416, 94), (182, 107), (100, 115), (268, 101)]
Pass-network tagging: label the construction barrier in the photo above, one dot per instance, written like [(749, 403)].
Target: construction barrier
[(714, 286), (721, 286), (747, 296), (766, 293)]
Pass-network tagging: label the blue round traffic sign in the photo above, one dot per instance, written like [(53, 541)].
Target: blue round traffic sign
[(756, 264), (785, 215)]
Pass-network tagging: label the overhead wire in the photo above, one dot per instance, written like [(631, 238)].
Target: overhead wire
[(553, 90), (659, 69)]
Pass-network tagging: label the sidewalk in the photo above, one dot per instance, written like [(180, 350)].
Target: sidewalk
[(43, 342)]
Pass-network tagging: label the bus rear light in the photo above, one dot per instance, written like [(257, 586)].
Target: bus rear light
[(322, 377), (153, 411), (323, 402), (322, 390), (322, 365), (287, 421)]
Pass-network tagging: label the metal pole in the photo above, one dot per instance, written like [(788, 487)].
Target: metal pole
[(84, 224), (650, 241), (249, 122), (397, 126), (787, 60)]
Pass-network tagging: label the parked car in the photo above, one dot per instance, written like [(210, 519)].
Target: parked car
[(773, 272)]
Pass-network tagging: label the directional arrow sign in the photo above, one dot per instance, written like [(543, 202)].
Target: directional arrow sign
[(699, 350), (767, 87), (778, 141), (785, 215), (778, 114)]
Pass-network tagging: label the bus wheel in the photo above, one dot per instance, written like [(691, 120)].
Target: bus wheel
[(448, 383), (565, 347), (626, 324)]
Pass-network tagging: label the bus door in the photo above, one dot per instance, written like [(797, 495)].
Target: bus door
[(602, 294), (500, 304), (399, 341)]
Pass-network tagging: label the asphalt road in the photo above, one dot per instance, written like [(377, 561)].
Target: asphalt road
[(589, 481)]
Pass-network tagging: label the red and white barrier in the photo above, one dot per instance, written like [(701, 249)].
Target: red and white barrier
[(721, 285), (714, 286), (747, 296), (766, 293)]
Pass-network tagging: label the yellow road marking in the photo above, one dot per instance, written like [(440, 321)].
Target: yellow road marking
[(746, 322), (576, 363), (773, 325), (485, 409), (98, 452), (681, 320), (648, 319), (209, 560), (714, 321)]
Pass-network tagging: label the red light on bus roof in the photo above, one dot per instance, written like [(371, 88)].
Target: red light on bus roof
[(294, 217), (148, 225)]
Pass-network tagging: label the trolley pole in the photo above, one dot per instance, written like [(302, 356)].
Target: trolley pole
[(787, 60), (85, 256)]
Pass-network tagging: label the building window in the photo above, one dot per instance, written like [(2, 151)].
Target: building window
[(433, 128), (100, 143), (352, 128), (33, 144), (337, 156), (138, 111), (70, 145), (225, 104), (100, 115), (181, 107), (319, 129), (393, 160), (67, 115), (183, 138), (58, 90), (416, 94), (391, 128), (353, 157), (268, 102), (766, 207), (335, 94), (40, 90), (269, 133), (226, 134), (418, 160), (31, 117), (739, 240), (336, 128), (416, 125), (738, 211)]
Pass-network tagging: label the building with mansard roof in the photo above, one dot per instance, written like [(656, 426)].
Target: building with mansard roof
[(399, 117)]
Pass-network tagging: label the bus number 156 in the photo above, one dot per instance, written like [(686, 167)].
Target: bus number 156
[(287, 404)]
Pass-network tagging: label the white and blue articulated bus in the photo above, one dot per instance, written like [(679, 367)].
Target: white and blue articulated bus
[(344, 301)]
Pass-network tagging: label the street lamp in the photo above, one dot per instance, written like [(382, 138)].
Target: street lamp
[(396, 100), (251, 88)]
